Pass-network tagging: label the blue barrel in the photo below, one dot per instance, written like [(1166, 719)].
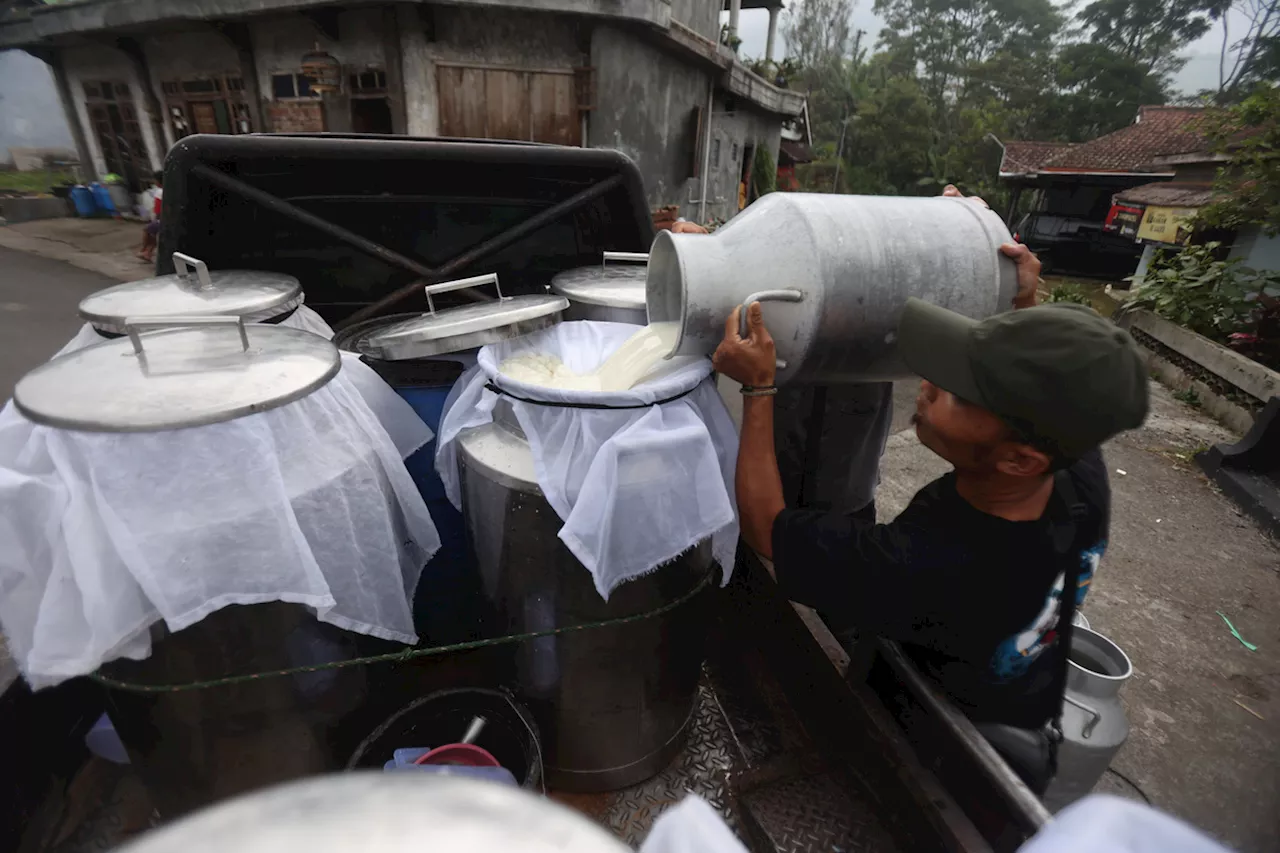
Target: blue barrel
[(102, 196), (82, 198)]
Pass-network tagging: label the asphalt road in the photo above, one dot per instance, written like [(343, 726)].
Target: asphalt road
[(38, 299)]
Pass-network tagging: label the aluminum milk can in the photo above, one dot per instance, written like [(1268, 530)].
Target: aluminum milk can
[(1094, 725), (841, 267)]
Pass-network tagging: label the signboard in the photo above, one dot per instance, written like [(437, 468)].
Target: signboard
[(1124, 220), (1166, 225)]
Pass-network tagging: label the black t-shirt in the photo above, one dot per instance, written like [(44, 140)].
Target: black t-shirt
[(973, 597)]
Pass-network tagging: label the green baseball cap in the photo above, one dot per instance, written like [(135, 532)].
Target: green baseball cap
[(1059, 373)]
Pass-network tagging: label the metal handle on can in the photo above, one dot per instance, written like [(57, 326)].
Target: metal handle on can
[(628, 257), (767, 296), (133, 324), (184, 265), (460, 284), (1094, 716)]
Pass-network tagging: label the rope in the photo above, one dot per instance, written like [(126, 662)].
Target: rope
[(406, 655), (489, 386)]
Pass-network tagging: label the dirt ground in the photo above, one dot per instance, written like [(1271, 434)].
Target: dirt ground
[(1204, 711), (104, 246)]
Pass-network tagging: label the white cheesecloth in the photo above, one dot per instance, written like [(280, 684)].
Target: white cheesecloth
[(635, 487), (104, 534)]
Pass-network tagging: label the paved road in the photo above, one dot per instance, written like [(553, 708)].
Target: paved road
[(38, 299)]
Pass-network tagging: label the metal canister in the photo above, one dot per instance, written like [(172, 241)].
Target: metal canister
[(194, 291), (842, 268), (611, 293), (421, 356), (1094, 725), (613, 704)]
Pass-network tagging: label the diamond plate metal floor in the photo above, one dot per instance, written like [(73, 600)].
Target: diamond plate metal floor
[(751, 760)]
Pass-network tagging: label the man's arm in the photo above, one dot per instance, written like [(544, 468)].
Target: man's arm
[(758, 485)]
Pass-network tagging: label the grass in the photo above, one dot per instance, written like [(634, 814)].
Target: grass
[(1188, 396), (39, 181), (1091, 287)]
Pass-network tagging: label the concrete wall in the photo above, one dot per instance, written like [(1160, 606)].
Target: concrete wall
[(181, 55), (30, 114), (701, 16), (644, 105), (645, 99), (279, 43), (1255, 249), (98, 62)]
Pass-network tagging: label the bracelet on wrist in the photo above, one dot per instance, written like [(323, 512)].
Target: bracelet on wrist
[(759, 390)]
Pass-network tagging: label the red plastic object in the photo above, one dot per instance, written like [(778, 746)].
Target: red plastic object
[(465, 754)]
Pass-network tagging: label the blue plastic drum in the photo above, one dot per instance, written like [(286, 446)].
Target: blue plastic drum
[(82, 198), (102, 197), (449, 605)]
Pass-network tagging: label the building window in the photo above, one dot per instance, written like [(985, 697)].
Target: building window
[(291, 86), (202, 86), (715, 153), (735, 153), (371, 82), (104, 90), (235, 84)]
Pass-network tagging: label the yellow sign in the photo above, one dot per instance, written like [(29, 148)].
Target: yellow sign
[(1166, 224)]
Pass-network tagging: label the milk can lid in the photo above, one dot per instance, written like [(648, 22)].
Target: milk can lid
[(614, 286), (193, 371), (193, 291), (455, 329)]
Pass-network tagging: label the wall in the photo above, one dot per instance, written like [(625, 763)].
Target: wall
[(701, 16), (179, 55), (458, 35), (98, 62), (645, 99), (30, 115), (1255, 249)]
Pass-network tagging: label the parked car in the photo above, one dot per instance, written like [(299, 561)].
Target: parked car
[(1077, 244)]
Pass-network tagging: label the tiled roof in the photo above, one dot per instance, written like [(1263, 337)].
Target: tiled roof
[(1022, 157), (1156, 131), (1168, 194)]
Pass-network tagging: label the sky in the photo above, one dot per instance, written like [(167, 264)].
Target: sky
[(1200, 72)]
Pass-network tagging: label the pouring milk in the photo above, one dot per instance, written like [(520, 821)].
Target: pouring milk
[(627, 366)]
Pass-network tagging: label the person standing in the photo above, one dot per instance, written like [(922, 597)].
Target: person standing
[(979, 576)]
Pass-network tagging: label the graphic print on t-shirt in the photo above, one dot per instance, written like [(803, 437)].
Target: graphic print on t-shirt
[(1014, 655)]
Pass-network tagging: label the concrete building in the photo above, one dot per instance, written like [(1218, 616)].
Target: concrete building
[(652, 78)]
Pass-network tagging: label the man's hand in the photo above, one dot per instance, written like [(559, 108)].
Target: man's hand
[(683, 227), (750, 360), (1028, 266)]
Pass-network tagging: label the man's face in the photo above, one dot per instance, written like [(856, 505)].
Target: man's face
[(966, 435)]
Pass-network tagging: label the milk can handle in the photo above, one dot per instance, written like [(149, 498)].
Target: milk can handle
[(629, 257), (133, 324), (184, 264), (461, 283), (766, 296), (1094, 716)]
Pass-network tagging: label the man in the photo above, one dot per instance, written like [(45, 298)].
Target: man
[(969, 576)]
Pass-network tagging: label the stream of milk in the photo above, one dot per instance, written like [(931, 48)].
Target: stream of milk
[(638, 354)]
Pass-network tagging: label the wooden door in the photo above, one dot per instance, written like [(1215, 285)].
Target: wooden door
[(202, 117), (508, 103)]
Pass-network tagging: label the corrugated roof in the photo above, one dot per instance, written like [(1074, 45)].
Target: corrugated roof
[(1156, 131), (1168, 194), (798, 152)]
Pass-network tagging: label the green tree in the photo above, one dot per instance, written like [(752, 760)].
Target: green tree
[(1249, 186), (1149, 32), (1098, 91), (890, 137), (947, 40)]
